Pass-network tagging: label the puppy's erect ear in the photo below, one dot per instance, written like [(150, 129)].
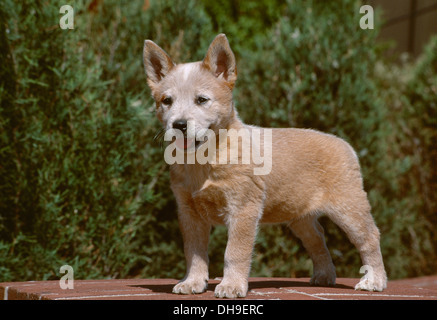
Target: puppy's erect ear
[(220, 60), (157, 63)]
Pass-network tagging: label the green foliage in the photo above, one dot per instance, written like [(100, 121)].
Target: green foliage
[(243, 20), (405, 198), (83, 181), (86, 184)]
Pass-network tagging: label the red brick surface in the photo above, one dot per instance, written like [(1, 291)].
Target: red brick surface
[(259, 288)]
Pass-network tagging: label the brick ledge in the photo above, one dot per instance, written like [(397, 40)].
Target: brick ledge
[(424, 288)]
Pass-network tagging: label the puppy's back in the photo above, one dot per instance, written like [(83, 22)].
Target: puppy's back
[(309, 170)]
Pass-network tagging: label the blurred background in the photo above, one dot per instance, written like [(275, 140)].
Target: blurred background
[(84, 183)]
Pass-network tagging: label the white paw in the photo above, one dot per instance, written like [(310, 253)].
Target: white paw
[(365, 284), (231, 289), (371, 285), (190, 286), (372, 281)]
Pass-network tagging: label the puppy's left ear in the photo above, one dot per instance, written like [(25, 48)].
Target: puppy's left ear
[(220, 60)]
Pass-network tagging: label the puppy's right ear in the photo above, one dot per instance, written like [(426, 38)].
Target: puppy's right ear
[(157, 63)]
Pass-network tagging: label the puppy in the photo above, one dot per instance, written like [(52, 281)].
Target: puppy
[(310, 174)]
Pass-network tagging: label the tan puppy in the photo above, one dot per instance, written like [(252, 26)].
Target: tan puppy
[(309, 174)]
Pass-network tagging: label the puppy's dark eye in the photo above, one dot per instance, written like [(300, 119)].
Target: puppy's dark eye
[(167, 101), (201, 100)]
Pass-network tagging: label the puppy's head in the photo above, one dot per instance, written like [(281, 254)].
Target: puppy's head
[(199, 93)]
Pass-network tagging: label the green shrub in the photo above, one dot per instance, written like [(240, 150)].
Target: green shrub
[(408, 137), (85, 183)]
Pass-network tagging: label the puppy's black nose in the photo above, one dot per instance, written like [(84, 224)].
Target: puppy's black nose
[(181, 125)]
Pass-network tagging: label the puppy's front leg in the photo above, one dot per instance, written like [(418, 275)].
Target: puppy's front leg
[(195, 233), (242, 228)]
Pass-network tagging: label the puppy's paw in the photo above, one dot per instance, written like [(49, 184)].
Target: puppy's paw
[(324, 275), (190, 286), (372, 281), (323, 280), (371, 285), (365, 284), (231, 289)]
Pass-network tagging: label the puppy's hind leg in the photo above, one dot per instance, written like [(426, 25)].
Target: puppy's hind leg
[(353, 217), (310, 232)]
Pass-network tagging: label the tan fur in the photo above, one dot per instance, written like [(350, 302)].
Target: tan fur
[(313, 173)]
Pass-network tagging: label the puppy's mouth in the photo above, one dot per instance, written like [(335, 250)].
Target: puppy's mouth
[(192, 142), (186, 143)]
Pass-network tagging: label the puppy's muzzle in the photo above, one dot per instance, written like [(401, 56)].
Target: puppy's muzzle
[(181, 125)]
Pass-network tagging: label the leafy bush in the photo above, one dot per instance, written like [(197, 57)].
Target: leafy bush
[(85, 184), (408, 137)]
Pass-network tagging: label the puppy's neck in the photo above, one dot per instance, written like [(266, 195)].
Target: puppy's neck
[(234, 121)]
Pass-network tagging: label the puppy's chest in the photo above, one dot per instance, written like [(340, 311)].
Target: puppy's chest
[(210, 197), (217, 194), (214, 202)]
